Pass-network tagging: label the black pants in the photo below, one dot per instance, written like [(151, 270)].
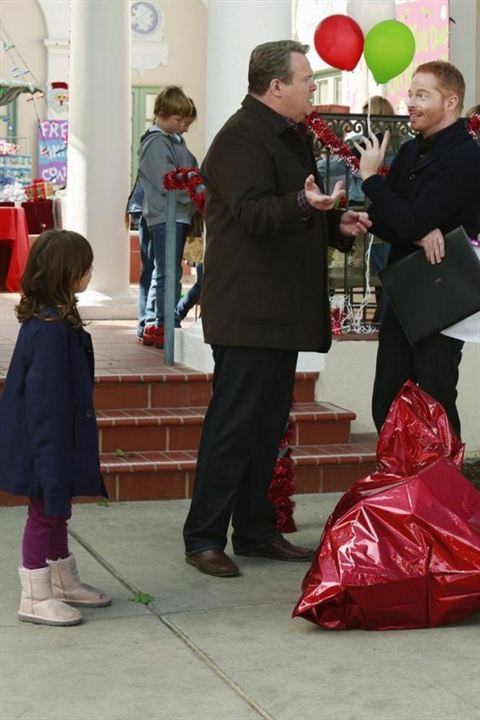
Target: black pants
[(432, 363), (245, 421)]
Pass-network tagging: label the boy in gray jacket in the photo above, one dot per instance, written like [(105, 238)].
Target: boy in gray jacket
[(162, 149)]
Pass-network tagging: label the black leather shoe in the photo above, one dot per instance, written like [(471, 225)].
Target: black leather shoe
[(281, 549), (213, 562)]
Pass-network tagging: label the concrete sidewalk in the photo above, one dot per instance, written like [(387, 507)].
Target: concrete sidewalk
[(214, 649)]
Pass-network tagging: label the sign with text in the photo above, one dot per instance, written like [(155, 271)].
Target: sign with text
[(52, 151), (429, 22)]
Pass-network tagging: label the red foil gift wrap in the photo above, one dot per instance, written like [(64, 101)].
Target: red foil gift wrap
[(416, 432), (401, 552)]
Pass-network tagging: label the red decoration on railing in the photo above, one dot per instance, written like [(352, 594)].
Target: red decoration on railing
[(187, 178), (473, 125), (334, 145), (336, 319), (282, 485)]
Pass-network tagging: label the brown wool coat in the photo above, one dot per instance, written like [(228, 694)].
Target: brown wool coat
[(265, 274)]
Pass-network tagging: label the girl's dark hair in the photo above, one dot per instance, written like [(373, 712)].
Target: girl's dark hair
[(57, 261)]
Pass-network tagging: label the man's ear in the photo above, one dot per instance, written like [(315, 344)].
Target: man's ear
[(452, 102), (275, 87)]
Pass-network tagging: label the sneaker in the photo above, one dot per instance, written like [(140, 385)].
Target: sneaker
[(149, 335), (159, 337)]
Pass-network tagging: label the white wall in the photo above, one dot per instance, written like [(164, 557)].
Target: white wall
[(347, 381), (464, 47)]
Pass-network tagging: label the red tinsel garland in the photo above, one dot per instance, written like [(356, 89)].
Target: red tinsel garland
[(473, 125), (336, 319), (335, 146), (282, 485), (187, 178)]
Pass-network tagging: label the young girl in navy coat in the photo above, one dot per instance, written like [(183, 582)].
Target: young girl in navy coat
[(48, 430)]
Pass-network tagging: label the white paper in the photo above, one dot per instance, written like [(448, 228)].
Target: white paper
[(468, 329)]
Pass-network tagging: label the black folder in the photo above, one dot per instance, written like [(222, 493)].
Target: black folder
[(429, 298)]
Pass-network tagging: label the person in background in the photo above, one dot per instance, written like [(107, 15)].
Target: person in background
[(161, 150), (192, 296), (134, 206), (49, 438), (264, 298), (134, 221), (431, 189)]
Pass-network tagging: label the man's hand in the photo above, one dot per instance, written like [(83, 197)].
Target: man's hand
[(433, 245), (372, 154), (354, 223), (319, 201)]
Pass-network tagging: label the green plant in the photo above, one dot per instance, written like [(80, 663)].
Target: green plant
[(142, 598), (121, 453)]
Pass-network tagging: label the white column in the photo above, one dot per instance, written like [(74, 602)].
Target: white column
[(99, 150), (234, 28)]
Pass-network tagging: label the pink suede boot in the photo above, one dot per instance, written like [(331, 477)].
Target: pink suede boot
[(66, 585), (37, 604)]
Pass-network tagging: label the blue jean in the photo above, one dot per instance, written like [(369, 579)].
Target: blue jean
[(192, 297), (155, 301), (148, 263)]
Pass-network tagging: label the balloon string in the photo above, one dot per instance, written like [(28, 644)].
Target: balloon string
[(351, 319)]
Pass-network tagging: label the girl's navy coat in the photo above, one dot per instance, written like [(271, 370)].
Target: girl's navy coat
[(48, 429)]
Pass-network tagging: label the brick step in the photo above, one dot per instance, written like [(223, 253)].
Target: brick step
[(180, 428), (173, 389), (170, 475)]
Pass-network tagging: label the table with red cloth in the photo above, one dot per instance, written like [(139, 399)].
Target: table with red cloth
[(39, 214), (14, 229)]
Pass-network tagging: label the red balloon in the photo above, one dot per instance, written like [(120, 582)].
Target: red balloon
[(339, 41)]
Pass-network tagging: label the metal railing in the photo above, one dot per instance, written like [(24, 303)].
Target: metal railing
[(170, 280)]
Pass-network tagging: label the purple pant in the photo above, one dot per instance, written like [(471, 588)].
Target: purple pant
[(45, 536)]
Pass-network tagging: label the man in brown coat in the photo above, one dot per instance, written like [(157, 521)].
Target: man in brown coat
[(264, 298)]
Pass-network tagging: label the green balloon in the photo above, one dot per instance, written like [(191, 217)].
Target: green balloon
[(389, 49)]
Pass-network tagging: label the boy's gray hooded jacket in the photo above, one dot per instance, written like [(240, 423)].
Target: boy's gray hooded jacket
[(158, 153)]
